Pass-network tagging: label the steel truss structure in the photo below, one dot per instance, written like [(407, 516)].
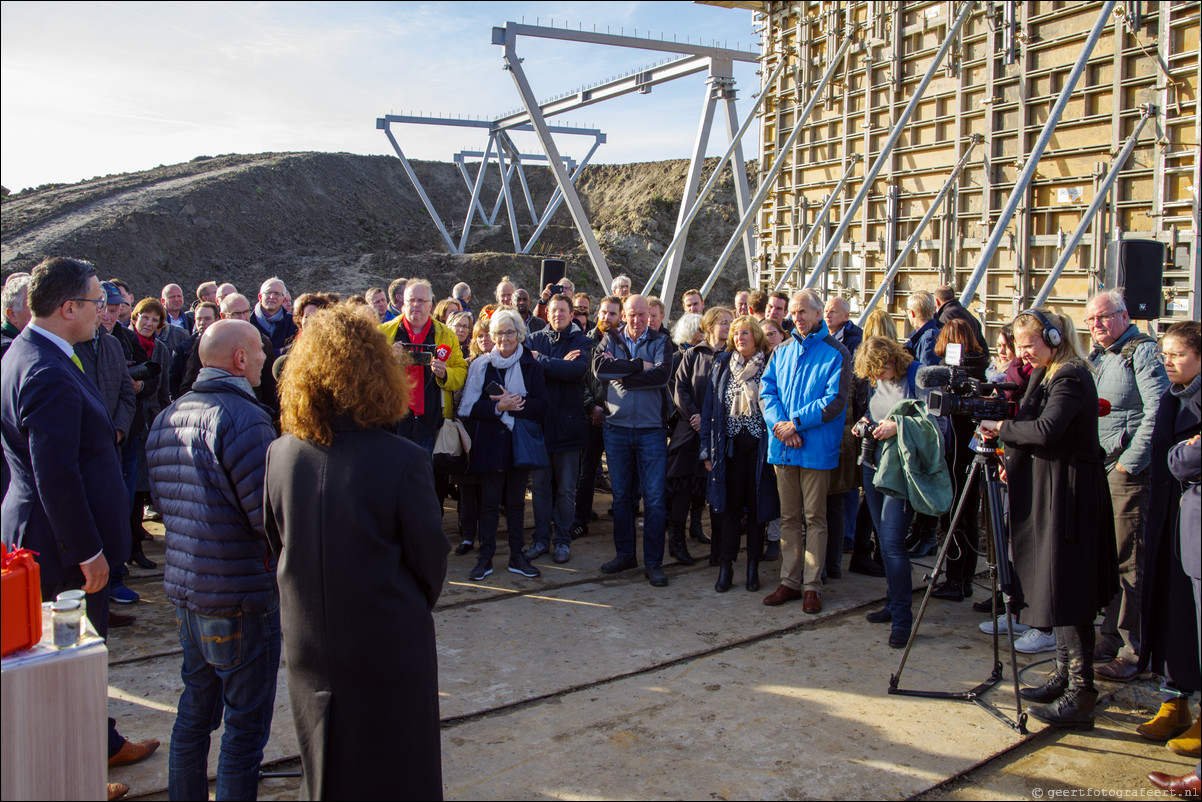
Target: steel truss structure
[(1059, 97), (717, 62)]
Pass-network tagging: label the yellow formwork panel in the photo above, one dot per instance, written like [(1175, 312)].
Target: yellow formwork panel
[(975, 92)]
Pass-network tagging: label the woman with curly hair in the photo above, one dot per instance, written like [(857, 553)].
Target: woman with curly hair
[(351, 511)]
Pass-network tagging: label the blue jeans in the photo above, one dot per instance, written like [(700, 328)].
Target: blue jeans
[(554, 492), (230, 669), (644, 450), (891, 517)]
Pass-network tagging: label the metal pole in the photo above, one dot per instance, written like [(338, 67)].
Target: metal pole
[(1098, 199), (467, 221), (1028, 171), (682, 229), (583, 227), (822, 213), (421, 193), (688, 198), (922, 224), (742, 194), (467, 181), (770, 177), (949, 38), (557, 199), (505, 189)]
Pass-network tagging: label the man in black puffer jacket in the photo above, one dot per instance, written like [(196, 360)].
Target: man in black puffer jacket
[(564, 352), (207, 455)]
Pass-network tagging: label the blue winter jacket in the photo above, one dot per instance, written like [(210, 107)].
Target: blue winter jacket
[(207, 454), (807, 382)]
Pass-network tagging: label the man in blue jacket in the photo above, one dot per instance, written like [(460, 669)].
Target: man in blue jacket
[(207, 454), (563, 351), (804, 391)]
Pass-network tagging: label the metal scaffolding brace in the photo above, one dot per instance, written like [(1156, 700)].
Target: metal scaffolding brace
[(948, 39), (500, 146), (1032, 161), (720, 87)]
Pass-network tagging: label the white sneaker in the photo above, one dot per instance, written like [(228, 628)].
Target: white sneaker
[(1034, 641), (1002, 625)]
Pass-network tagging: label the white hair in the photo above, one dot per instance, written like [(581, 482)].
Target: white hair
[(510, 315), (16, 291), (619, 281), (686, 328), (461, 291), (812, 299), (1114, 295), (264, 285)]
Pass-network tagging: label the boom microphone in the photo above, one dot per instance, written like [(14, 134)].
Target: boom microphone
[(933, 376)]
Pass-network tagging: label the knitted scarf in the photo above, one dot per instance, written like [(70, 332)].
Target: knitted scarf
[(507, 367), (745, 383)]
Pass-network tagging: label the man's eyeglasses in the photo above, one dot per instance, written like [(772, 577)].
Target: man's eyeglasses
[(1103, 319), (100, 302)]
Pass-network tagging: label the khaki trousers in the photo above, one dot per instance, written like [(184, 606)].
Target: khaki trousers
[(803, 547)]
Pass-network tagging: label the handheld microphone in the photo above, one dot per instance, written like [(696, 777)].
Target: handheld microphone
[(1103, 407), (442, 352)]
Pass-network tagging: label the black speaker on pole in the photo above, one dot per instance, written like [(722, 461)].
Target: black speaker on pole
[(552, 271), (1137, 267)]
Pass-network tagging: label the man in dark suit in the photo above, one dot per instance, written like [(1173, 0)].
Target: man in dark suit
[(66, 500)]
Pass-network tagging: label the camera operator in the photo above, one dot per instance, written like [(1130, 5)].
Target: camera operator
[(892, 374), (1061, 525), (962, 558)]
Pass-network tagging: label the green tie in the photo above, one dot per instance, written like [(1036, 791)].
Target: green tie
[(75, 359)]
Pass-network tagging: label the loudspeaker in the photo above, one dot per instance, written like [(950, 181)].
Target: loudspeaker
[(552, 271), (1137, 266)]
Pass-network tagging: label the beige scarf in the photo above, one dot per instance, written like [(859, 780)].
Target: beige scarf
[(746, 373)]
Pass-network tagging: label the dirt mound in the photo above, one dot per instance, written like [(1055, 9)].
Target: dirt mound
[(337, 221)]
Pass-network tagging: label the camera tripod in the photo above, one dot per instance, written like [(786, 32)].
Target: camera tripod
[(985, 469)]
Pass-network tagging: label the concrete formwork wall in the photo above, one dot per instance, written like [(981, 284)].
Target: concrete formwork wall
[(977, 91)]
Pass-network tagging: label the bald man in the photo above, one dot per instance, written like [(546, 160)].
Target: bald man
[(207, 454)]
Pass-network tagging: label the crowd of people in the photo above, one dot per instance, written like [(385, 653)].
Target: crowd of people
[(265, 431)]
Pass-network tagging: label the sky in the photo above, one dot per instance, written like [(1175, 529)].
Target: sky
[(90, 89)]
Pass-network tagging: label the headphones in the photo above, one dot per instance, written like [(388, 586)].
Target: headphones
[(1051, 333)]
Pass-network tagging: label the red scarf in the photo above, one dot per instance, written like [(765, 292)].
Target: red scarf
[(147, 345), (417, 373)]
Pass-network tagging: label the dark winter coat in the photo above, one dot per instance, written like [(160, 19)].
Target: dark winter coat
[(492, 442), (689, 385), (566, 428), (713, 447), (206, 456), (1060, 514), (851, 337), (362, 560), (1170, 638), (922, 343)]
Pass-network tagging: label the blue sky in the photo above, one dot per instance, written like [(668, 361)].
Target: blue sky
[(88, 89)]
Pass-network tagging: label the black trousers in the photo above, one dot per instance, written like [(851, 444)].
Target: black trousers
[(512, 484), (742, 469)]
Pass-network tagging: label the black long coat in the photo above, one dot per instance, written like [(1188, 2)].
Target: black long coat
[(1060, 514), (1169, 644), (363, 558), (690, 382)]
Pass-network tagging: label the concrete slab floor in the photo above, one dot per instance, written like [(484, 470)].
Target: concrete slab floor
[(577, 685)]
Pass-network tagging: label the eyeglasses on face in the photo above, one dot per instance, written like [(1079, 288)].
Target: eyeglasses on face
[(507, 334), (100, 302), (1103, 319), (1172, 356)]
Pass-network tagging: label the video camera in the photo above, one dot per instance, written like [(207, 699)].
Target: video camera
[(958, 393), (424, 353)]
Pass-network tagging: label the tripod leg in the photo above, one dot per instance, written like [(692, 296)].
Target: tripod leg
[(998, 535), (940, 561)]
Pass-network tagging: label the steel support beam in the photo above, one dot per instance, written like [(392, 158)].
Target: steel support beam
[(739, 174), (769, 178), (819, 220), (1028, 171), (467, 221), (688, 198), (948, 39), (918, 229), (557, 197), (1099, 198), (735, 148), (421, 192), (514, 65)]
